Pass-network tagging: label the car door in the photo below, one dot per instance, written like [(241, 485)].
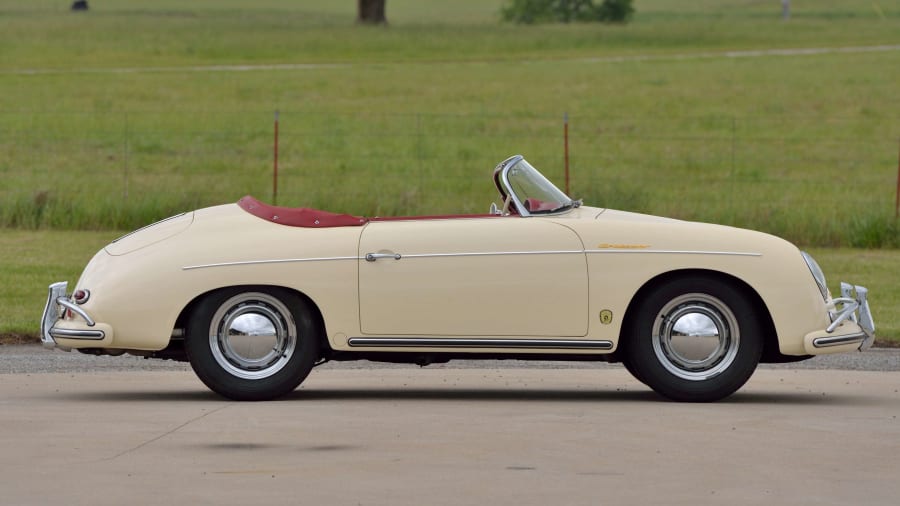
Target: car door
[(489, 276)]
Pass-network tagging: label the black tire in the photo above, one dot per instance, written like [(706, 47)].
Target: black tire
[(630, 368), (252, 343), (695, 339)]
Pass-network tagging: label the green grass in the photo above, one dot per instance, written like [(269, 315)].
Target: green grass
[(105, 125), (34, 259), (877, 270), (31, 261), (414, 115), (135, 33)]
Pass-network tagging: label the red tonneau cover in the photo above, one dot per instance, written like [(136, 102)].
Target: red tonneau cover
[(305, 217), (298, 216)]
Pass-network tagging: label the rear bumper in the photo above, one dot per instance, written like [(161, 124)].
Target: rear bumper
[(852, 326), (52, 327)]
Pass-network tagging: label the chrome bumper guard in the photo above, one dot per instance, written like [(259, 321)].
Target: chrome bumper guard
[(853, 305), (57, 303)]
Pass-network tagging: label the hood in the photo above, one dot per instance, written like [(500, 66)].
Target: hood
[(611, 228), (612, 214)]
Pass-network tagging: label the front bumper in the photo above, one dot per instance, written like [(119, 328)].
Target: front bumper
[(58, 303), (852, 326)]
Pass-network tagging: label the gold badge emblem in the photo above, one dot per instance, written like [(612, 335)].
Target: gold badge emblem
[(607, 245), (606, 317)]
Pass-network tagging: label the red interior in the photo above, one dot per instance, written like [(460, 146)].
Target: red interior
[(298, 216), (433, 217), (305, 217), (535, 205)]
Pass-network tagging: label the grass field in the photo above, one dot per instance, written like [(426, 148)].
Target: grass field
[(135, 33), (105, 124), (34, 259), (134, 111)]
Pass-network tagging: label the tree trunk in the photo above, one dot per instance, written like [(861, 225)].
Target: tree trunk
[(371, 12)]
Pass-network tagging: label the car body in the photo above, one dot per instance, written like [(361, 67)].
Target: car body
[(255, 295)]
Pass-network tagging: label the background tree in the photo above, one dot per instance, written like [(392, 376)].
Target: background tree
[(567, 11), (371, 12)]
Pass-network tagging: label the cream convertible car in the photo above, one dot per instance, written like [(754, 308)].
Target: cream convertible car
[(255, 296)]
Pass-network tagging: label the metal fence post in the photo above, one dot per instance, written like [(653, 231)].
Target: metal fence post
[(125, 150), (897, 201), (419, 154), (566, 148), (275, 164), (733, 156)]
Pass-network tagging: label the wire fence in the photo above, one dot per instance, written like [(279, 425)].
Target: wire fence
[(94, 170)]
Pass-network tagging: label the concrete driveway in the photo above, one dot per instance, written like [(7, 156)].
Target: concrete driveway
[(446, 435)]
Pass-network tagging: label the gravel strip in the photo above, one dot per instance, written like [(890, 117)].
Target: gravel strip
[(34, 359)]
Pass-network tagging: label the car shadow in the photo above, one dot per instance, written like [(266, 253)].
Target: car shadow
[(469, 394), (312, 395), (802, 398), (544, 395), (139, 396), (387, 394)]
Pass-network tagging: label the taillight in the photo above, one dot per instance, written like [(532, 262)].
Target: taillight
[(81, 296)]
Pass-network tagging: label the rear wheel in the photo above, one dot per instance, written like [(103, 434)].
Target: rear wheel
[(694, 339), (252, 343)]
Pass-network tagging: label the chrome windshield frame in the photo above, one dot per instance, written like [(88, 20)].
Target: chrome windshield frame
[(505, 167)]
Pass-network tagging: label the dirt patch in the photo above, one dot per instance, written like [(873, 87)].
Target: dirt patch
[(16, 338)]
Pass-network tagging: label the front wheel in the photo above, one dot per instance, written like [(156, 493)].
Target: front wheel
[(252, 343), (694, 339)]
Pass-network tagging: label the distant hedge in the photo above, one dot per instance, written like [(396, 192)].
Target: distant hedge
[(567, 11)]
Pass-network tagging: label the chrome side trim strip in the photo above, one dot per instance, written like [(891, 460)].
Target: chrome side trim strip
[(824, 342), (472, 254), (579, 252), (274, 261), (674, 252), (434, 342), (94, 335), (493, 253)]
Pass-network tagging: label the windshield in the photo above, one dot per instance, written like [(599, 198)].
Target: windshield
[(531, 191)]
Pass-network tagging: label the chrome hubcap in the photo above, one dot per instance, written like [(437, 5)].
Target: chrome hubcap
[(696, 336), (252, 335)]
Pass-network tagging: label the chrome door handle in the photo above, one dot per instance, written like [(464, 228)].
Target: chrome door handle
[(371, 257)]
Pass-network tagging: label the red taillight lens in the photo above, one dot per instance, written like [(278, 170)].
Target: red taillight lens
[(81, 296)]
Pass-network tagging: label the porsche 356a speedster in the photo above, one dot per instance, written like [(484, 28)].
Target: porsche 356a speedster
[(254, 296)]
